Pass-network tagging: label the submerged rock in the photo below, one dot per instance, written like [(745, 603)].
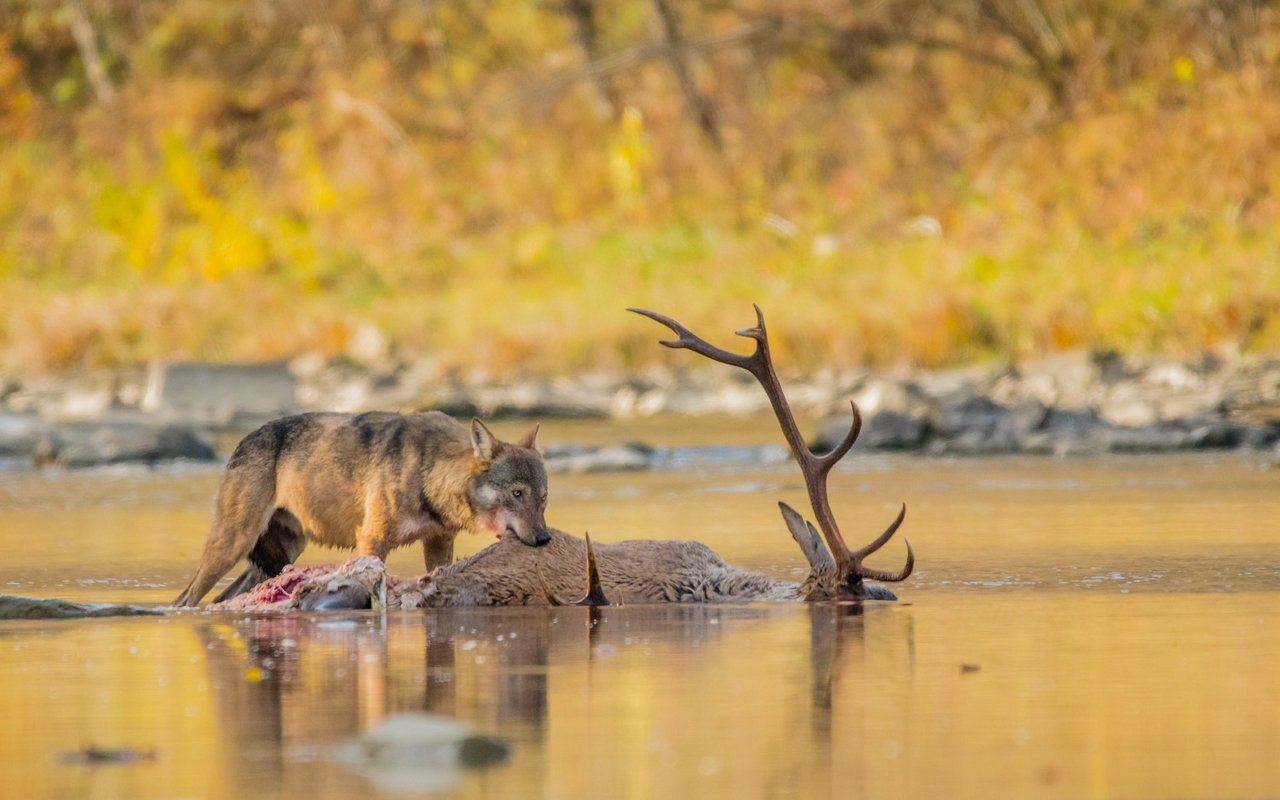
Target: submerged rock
[(419, 752), (627, 457), (97, 756)]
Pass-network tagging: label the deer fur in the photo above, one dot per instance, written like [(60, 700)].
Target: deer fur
[(508, 573)]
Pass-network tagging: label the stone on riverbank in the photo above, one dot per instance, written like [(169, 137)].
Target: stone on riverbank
[(1067, 403), (220, 394), (115, 438), (1074, 406), (627, 457), (20, 434), (121, 438)]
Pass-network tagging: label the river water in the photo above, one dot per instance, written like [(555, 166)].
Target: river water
[(1101, 627)]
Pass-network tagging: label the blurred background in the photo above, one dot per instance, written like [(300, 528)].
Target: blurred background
[(487, 184)]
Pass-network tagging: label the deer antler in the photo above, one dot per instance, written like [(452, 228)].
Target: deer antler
[(595, 595), (849, 569)]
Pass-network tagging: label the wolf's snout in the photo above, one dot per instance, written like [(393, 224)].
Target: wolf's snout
[(532, 535)]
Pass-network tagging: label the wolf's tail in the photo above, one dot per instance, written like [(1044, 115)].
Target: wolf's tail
[(245, 503)]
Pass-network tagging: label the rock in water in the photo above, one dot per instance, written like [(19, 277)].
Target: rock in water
[(15, 607), (419, 752)]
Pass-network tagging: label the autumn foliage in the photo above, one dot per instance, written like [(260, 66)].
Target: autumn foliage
[(491, 183)]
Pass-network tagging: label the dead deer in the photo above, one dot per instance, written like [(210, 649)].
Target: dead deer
[(507, 573), (638, 571)]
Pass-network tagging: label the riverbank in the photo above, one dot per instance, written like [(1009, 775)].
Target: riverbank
[(1069, 404)]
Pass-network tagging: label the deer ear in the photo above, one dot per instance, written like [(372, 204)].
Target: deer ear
[(817, 554), (482, 441), (531, 440)]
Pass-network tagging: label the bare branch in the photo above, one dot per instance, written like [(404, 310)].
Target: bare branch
[(632, 57), (376, 116), (583, 15), (700, 104), (87, 43)]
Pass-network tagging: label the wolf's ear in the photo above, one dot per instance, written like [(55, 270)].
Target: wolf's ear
[(531, 440), (482, 441)]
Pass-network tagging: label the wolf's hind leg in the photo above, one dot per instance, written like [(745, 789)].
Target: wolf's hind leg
[(240, 517), (279, 547)]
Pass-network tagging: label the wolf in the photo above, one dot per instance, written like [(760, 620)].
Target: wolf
[(373, 482)]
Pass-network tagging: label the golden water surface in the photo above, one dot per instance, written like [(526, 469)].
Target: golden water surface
[(1102, 627)]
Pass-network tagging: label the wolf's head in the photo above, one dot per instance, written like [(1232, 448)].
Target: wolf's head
[(509, 495)]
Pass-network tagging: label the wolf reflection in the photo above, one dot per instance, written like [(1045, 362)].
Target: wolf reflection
[(286, 688)]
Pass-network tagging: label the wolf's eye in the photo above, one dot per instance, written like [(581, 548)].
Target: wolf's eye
[(517, 492)]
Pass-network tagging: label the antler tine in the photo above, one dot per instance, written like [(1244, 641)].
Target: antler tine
[(892, 577), (758, 332), (547, 594), (880, 540), (595, 592), (876, 544), (827, 461), (690, 341)]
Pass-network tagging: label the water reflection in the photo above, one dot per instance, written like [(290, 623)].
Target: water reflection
[(834, 630), (286, 690), (1076, 629), (934, 697)]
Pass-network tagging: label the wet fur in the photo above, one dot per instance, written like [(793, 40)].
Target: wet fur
[(373, 482)]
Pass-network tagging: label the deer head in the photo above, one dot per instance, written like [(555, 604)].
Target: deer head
[(832, 578)]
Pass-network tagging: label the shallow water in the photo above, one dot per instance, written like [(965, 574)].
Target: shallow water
[(1104, 627)]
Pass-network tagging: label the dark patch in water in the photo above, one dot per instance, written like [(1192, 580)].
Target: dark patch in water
[(16, 607)]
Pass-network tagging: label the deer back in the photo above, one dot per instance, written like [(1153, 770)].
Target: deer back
[(636, 571)]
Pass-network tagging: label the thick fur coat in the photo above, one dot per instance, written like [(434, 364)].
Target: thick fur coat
[(372, 482)]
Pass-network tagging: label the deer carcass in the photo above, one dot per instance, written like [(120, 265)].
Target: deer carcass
[(638, 571)]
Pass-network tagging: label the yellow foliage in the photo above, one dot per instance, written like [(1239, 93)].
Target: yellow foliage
[(267, 175), (1184, 69), (628, 158)]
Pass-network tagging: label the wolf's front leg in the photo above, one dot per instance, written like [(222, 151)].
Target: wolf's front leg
[(375, 536), (437, 549)]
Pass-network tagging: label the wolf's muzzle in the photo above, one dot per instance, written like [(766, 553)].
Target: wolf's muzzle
[(537, 538)]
